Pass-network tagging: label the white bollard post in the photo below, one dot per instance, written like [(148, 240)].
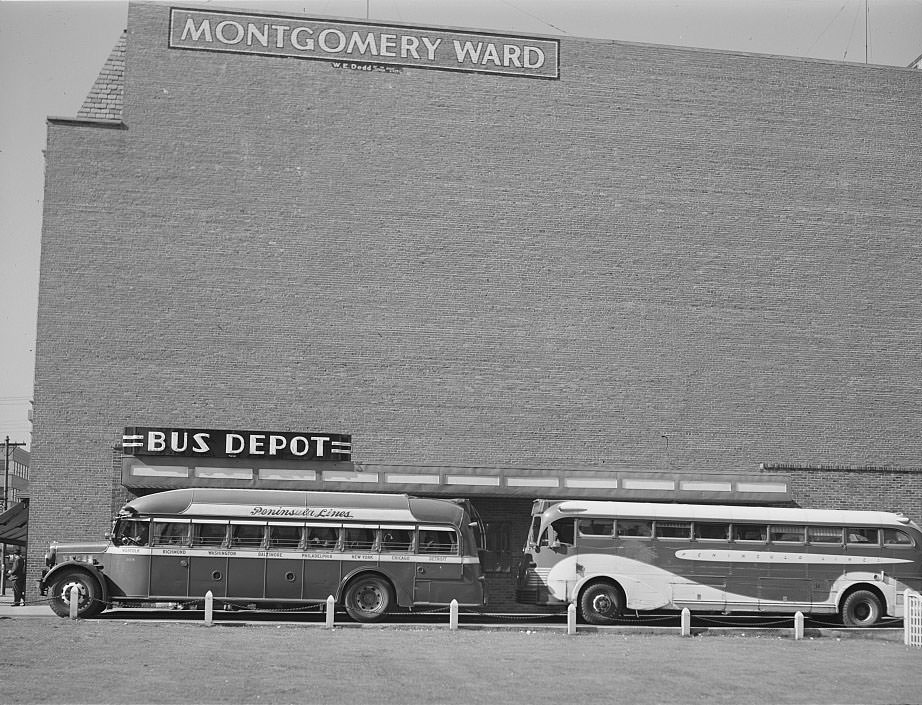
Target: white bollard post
[(571, 618), (331, 610), (798, 625), (686, 622), (209, 609), (453, 615), (906, 618), (74, 601)]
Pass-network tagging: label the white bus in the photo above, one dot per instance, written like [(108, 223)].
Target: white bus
[(610, 556)]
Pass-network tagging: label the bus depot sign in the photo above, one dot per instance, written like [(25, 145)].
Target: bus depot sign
[(209, 443), (339, 41)]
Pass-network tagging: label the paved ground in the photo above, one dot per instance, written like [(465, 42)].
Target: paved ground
[(46, 659)]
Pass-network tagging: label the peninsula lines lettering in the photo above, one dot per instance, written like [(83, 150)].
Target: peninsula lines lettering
[(326, 40), (307, 512)]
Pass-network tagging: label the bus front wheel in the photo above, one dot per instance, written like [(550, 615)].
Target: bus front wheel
[(89, 603), (601, 603), (861, 609), (368, 598)]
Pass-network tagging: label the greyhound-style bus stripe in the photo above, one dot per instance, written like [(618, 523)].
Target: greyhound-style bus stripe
[(721, 556)]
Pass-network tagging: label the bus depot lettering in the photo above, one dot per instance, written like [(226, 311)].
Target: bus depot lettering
[(404, 46), (307, 512), (236, 444)]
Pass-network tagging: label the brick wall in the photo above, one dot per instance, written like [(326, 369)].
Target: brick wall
[(713, 247), (882, 489), (106, 97)]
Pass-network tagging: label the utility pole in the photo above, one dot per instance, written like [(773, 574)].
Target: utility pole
[(6, 471)]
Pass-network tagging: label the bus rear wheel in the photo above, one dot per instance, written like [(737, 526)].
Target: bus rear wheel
[(89, 603), (601, 603), (368, 598), (861, 609)]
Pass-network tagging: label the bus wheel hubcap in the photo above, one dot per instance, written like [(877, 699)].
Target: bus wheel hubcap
[(368, 598), (602, 604), (70, 587)]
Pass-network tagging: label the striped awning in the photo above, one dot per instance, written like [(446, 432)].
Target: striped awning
[(14, 524), (583, 482)]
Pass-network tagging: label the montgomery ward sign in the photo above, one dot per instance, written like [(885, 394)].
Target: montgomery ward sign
[(337, 41), (209, 443)]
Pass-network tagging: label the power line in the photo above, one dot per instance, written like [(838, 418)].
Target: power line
[(852, 33), (820, 35), (534, 17)]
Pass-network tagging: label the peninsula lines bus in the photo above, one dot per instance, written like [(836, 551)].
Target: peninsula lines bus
[(372, 552), (610, 556)]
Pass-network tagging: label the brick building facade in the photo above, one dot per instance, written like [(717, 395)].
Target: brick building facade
[(662, 260)]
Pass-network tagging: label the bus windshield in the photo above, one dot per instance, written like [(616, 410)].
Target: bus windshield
[(131, 532)]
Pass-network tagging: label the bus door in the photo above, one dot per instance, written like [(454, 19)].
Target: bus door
[(397, 559), (169, 561), (322, 560), (128, 562), (284, 561), (208, 560), (554, 559), (439, 566), (246, 562)]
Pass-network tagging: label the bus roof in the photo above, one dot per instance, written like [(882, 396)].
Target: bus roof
[(292, 504), (711, 512)]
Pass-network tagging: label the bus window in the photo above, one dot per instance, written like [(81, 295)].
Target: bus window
[(824, 534), (208, 534), (247, 535), (322, 538), (564, 531), (285, 536), (673, 529), (359, 539), (438, 541), (635, 528), (170, 533), (862, 536), (396, 540), (535, 528), (750, 532), (596, 527), (895, 537), (130, 532), (712, 531), (787, 534)]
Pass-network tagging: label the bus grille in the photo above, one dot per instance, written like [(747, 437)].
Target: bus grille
[(533, 588), (536, 577)]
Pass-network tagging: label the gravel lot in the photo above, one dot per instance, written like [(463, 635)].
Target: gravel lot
[(59, 661)]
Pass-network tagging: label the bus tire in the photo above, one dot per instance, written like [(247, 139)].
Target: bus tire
[(368, 598), (861, 609), (88, 605), (601, 603)]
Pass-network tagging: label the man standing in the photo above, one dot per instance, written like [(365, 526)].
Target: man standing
[(18, 575)]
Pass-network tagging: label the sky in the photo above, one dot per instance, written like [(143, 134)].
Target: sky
[(51, 53)]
